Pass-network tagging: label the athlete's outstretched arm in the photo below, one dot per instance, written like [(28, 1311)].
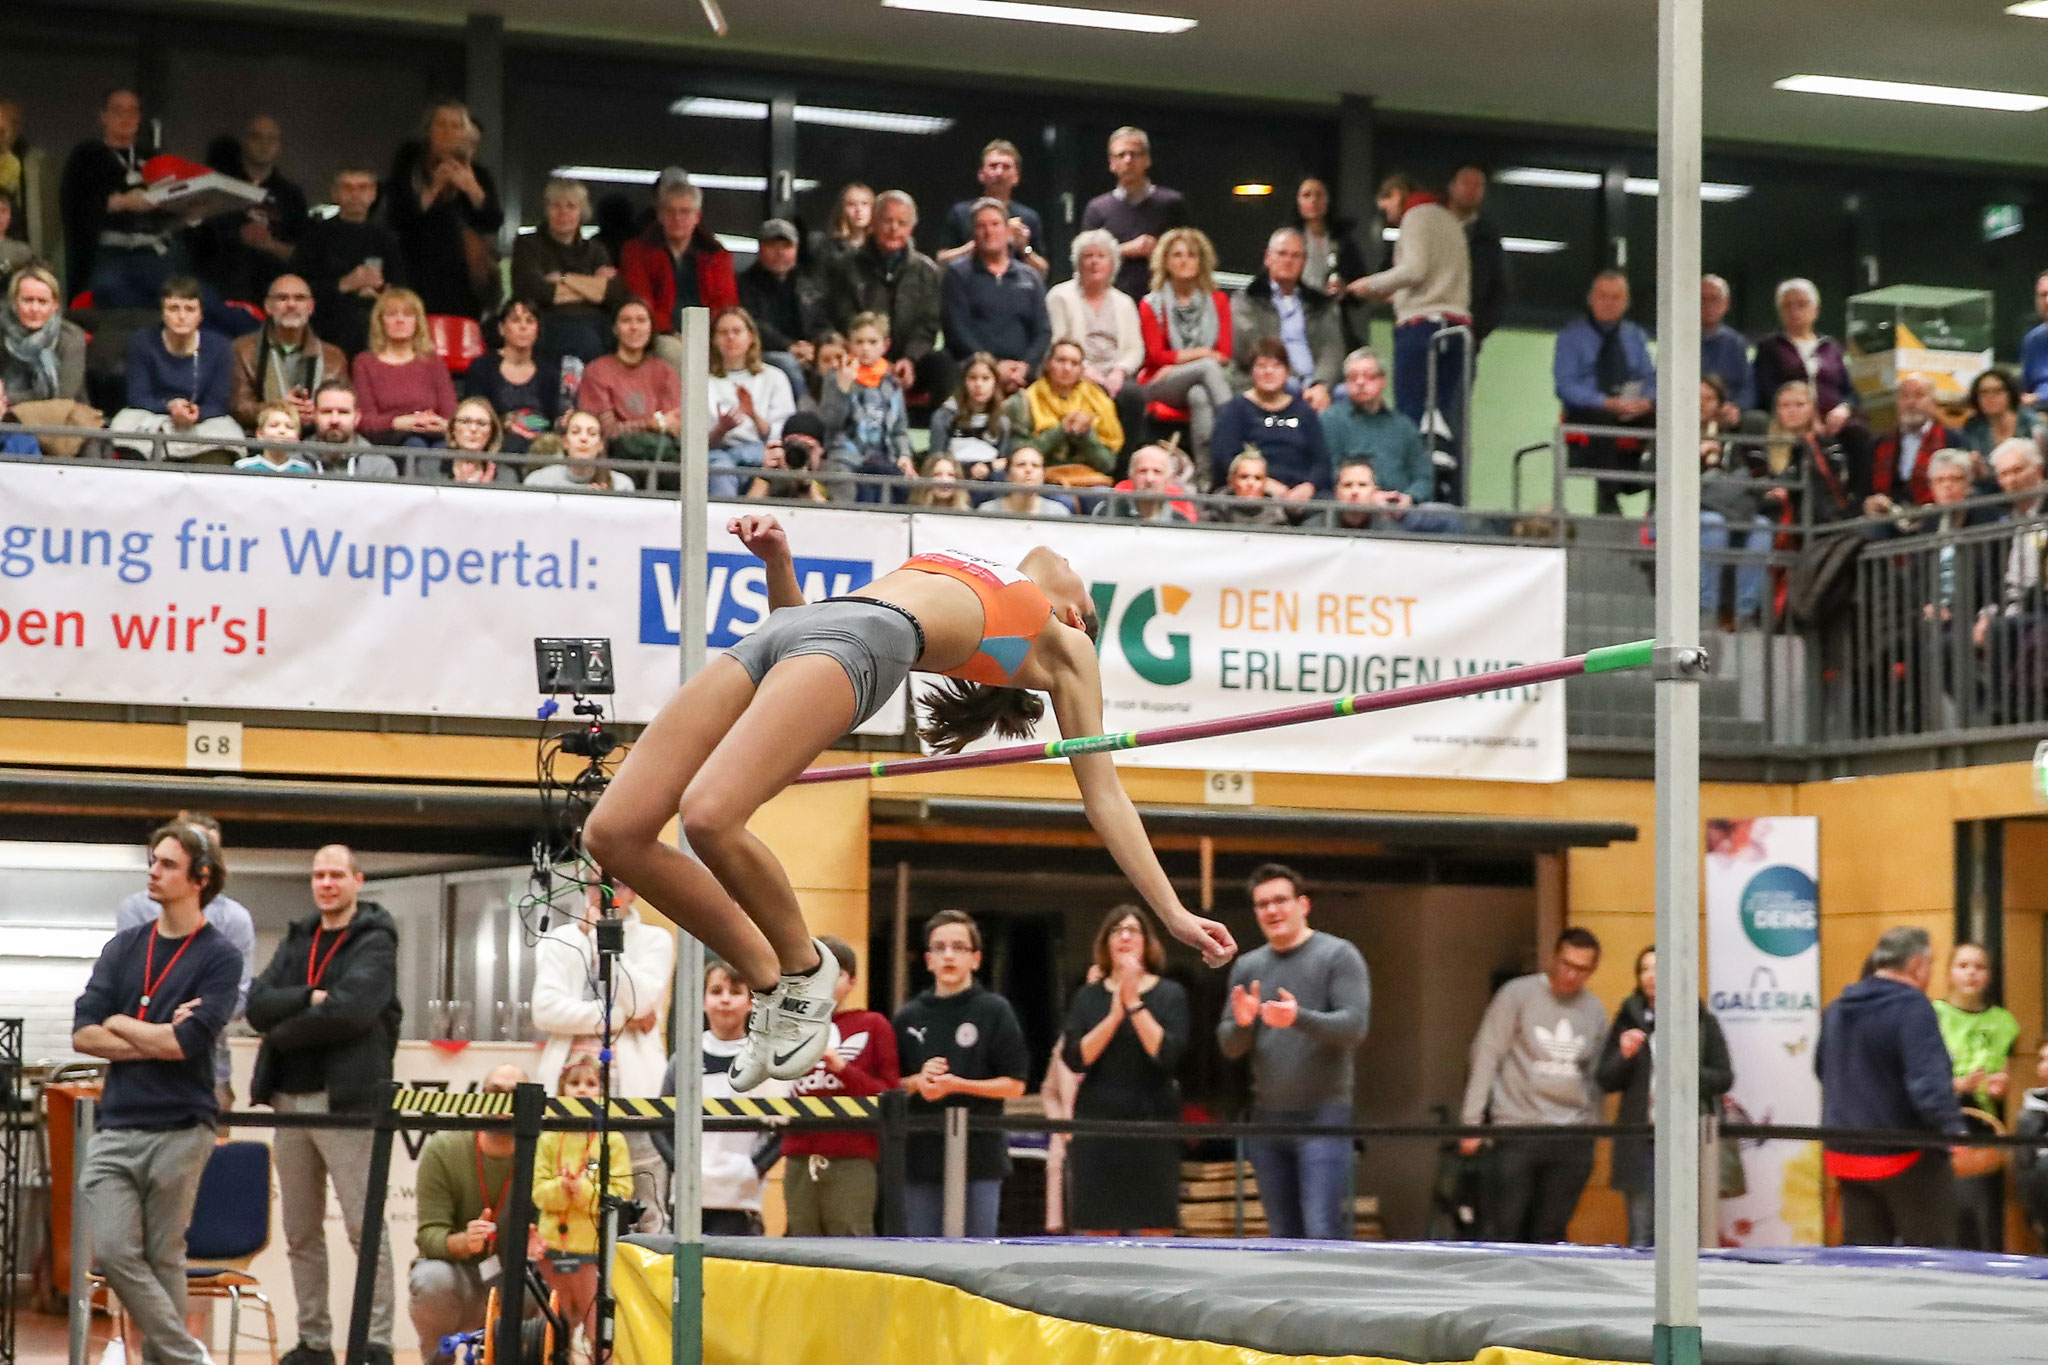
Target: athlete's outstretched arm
[(768, 542), (1077, 703)]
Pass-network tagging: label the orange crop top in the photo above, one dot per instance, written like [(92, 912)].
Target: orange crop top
[(1013, 612)]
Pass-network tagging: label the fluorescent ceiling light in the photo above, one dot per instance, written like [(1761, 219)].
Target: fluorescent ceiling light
[(46, 940), (742, 245), (1251, 190), (629, 175), (1232, 279), (1958, 97), (1049, 14), (869, 120), (1521, 246), (39, 857), (1550, 178), (2029, 9)]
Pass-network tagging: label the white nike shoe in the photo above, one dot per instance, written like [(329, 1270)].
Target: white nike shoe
[(789, 1027)]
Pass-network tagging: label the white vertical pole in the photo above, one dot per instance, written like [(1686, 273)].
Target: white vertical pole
[(1680, 61), (687, 1304)]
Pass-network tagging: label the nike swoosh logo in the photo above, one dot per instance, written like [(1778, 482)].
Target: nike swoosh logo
[(782, 1058)]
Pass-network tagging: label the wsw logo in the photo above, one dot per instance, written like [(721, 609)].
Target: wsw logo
[(1130, 630)]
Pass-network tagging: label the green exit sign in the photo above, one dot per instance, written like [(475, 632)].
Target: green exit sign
[(2001, 220)]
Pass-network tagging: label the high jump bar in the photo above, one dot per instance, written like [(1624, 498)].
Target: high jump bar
[(1607, 659)]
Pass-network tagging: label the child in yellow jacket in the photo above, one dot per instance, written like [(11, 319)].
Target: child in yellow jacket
[(565, 1201)]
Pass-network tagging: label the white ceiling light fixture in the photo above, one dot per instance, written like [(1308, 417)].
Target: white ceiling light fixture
[(632, 175), (40, 857), (1908, 92), (1070, 15), (2029, 9), (1521, 246), (821, 115), (1550, 178)]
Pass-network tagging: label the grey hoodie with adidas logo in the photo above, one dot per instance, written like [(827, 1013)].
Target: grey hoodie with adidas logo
[(1533, 1057)]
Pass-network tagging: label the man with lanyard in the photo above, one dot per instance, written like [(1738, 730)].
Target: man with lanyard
[(463, 1181), (159, 995), (327, 1007)]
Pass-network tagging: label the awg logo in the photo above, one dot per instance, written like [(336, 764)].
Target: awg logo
[(1130, 631)]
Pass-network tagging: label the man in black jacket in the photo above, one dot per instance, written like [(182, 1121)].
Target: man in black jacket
[(327, 1007), (1882, 1064), (788, 304)]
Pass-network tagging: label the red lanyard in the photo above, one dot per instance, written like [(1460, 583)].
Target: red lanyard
[(151, 987), (484, 1190), (316, 966)]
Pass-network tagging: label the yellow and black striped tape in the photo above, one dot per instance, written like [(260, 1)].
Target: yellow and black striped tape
[(499, 1105), (793, 1107), (476, 1104)]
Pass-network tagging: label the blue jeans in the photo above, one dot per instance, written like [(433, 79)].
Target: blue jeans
[(747, 454), (1304, 1183), (924, 1208), (1750, 570), (1413, 352)]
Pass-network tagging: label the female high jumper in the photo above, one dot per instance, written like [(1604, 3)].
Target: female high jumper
[(750, 722)]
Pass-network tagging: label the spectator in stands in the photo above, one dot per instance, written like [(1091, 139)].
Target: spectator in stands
[(1724, 352), (677, 262), (866, 426), (1799, 438), (276, 422), (1284, 428), (180, 379), (853, 219), (327, 1007), (441, 202), (1188, 334), (1137, 212), (283, 361), (1368, 507), (1996, 413), (1332, 259), (349, 260), (463, 1182), (241, 252), (42, 356), (224, 913), (1899, 463), (1066, 416), (1247, 483), (1980, 1036), (525, 389), (1465, 197), (1125, 1035), (1797, 351), (583, 463), (1145, 494), (887, 274), (1360, 426), (2034, 347), (567, 278), (1089, 309), (1603, 375), (472, 470), (2030, 1164), (992, 302), (1882, 1065), (1027, 476), (830, 1179), (473, 431), (335, 420), (403, 391), (569, 1009), (828, 349), (777, 457), (1001, 168), (117, 245), (734, 1164), (1624, 1067), (945, 492), (2021, 611), (1731, 511), (961, 1047), (1533, 1063), (13, 440), (1275, 306), (157, 1110), (14, 252), (1430, 286), (1299, 1006), (786, 303), (637, 397), (750, 399), (972, 425)]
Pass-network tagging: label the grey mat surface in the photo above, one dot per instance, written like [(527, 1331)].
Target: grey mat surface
[(1439, 1302)]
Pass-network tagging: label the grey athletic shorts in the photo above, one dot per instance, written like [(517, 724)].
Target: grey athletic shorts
[(877, 643)]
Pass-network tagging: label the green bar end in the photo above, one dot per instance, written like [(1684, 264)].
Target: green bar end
[(1613, 658)]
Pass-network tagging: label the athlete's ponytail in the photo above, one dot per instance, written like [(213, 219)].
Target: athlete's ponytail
[(959, 713)]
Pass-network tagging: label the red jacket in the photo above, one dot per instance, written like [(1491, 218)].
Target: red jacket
[(650, 273), (867, 1046), (1884, 463), (1159, 355)]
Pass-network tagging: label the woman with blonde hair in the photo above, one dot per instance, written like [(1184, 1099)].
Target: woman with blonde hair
[(444, 207), (42, 358), (403, 393), (946, 493), (583, 463), (852, 218), (750, 399), (1185, 322), (569, 278)]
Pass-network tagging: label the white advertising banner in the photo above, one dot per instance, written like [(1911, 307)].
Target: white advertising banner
[(1199, 625), (160, 587), (1763, 985)]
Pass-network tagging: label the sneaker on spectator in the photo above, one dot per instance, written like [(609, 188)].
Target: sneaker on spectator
[(302, 1354)]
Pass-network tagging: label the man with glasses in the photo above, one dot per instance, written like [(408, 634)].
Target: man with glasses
[(1532, 1063), (283, 361)]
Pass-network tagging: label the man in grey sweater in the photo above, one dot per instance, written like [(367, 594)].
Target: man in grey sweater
[(1533, 1063), (1299, 1006)]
